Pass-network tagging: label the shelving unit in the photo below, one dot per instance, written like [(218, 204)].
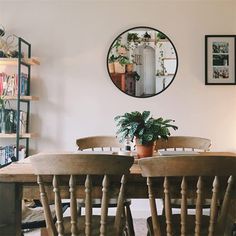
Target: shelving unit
[(27, 61)]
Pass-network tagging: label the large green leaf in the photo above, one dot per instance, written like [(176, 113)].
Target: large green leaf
[(145, 115)]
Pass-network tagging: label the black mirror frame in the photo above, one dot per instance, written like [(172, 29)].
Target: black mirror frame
[(151, 28)]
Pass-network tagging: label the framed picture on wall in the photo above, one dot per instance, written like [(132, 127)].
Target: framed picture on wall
[(220, 63)]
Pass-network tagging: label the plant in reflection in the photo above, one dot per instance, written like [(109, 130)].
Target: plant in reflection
[(121, 49), (162, 71), (160, 35), (112, 58)]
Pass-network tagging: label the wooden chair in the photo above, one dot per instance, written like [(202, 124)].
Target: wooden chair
[(81, 171), (183, 143), (184, 176), (105, 143), (100, 143)]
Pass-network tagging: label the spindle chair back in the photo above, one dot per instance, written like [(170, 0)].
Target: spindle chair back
[(102, 143), (194, 176), (105, 143), (90, 167), (183, 143)]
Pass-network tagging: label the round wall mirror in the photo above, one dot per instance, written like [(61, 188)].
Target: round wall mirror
[(142, 62)]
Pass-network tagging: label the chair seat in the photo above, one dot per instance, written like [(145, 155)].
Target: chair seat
[(190, 224), (95, 225)]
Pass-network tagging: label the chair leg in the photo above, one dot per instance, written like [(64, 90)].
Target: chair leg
[(129, 221)]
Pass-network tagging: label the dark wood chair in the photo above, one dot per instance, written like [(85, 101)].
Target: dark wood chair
[(105, 143), (199, 177), (95, 170)]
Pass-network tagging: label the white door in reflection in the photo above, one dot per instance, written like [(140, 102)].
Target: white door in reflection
[(149, 77), (146, 86)]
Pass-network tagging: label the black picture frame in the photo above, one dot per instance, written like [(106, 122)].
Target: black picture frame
[(220, 63)]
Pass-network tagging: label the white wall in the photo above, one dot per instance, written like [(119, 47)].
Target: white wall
[(77, 98)]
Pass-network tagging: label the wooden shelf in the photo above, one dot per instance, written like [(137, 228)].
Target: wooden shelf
[(25, 98), (25, 135), (14, 61)]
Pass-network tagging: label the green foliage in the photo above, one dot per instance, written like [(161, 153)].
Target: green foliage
[(112, 58), (3, 103), (123, 60), (117, 44), (133, 37), (161, 35), (136, 76), (142, 126)]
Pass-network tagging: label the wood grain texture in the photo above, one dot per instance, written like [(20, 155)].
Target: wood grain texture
[(59, 213), (184, 189), (73, 206), (199, 200)]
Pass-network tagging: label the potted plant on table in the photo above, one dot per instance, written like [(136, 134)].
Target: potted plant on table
[(144, 129)]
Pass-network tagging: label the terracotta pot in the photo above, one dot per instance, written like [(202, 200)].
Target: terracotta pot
[(145, 150), (119, 68), (111, 67)]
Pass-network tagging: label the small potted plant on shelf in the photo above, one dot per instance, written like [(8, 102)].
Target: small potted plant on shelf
[(7, 117), (144, 129)]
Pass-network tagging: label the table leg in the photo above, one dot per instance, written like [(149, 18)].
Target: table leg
[(10, 209)]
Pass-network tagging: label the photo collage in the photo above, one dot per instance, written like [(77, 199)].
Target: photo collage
[(220, 52)]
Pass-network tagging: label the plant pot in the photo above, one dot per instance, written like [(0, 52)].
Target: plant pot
[(144, 150), (111, 67), (119, 68), (7, 121), (130, 67)]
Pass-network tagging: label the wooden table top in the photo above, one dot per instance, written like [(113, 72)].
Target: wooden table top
[(22, 171)]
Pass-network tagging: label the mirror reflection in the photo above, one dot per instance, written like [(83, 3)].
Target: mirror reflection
[(142, 62)]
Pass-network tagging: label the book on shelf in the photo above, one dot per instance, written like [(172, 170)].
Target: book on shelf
[(23, 122), (8, 153), (9, 84)]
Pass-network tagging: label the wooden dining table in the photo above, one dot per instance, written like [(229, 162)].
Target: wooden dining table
[(17, 182)]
